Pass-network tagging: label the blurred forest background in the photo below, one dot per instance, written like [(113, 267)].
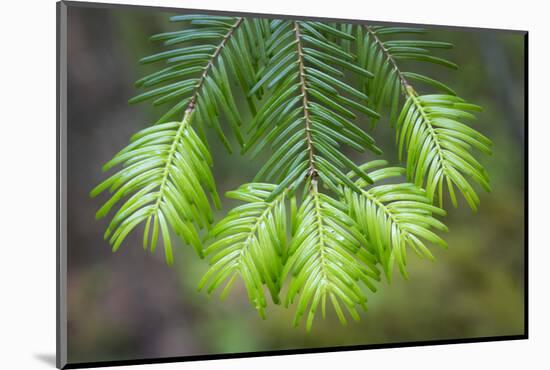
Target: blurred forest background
[(132, 305)]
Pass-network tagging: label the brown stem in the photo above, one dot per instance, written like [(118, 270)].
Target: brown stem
[(305, 102), (404, 83), (193, 101)]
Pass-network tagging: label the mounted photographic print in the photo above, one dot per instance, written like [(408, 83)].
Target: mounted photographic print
[(235, 185)]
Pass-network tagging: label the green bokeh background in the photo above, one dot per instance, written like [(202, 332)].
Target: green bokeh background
[(131, 305)]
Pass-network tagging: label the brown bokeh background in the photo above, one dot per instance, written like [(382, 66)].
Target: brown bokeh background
[(130, 305)]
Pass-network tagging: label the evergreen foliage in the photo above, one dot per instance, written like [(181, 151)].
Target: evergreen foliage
[(314, 226)]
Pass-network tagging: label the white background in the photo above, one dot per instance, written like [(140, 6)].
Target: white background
[(27, 182)]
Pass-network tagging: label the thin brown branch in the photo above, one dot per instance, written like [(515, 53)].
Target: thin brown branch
[(190, 107), (305, 102), (404, 83), (215, 55)]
